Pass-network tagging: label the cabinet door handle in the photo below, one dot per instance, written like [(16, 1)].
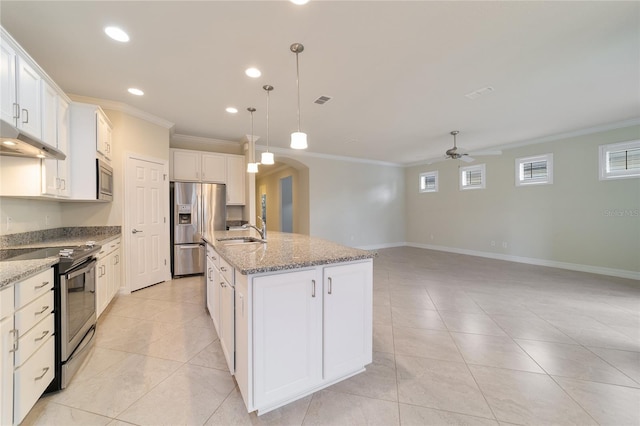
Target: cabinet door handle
[(330, 285), (44, 334), (26, 114), (222, 284), (209, 273), (313, 288), (64, 184), (44, 308), (44, 371), (223, 269), (16, 111), (15, 340), (44, 283)]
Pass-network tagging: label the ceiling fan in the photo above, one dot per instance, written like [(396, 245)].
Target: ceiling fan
[(456, 153)]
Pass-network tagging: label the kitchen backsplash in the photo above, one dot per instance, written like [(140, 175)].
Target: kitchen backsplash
[(23, 238)]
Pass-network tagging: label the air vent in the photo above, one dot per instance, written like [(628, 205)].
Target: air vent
[(480, 92), (322, 100)]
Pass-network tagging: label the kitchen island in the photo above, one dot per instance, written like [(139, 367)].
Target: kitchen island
[(294, 314)]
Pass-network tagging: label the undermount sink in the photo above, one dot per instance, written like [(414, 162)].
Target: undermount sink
[(240, 240)]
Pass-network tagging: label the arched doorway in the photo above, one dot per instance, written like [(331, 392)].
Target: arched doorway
[(269, 181)]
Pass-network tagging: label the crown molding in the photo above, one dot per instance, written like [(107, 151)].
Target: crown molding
[(122, 107), (177, 137), (565, 135), (299, 153)]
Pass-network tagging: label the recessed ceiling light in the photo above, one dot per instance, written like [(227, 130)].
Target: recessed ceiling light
[(299, 1), (231, 110), (135, 91), (9, 143), (117, 34), (253, 72)]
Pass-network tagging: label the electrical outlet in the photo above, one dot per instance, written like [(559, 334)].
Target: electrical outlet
[(9, 223), (505, 244), (493, 243)]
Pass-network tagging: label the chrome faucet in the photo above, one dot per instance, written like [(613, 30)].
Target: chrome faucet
[(263, 231)]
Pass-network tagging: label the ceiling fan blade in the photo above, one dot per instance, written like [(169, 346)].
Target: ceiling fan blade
[(466, 158), (486, 152)]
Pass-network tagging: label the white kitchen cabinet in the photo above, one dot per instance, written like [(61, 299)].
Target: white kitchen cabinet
[(226, 330), (28, 98), (347, 319), (55, 129), (299, 331), (8, 101), (103, 135), (210, 284), (27, 344), (7, 346), (202, 166), (287, 335), (214, 168), (235, 180), (108, 274), (185, 165)]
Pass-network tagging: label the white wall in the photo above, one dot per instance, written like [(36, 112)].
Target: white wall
[(569, 221), (357, 204), (28, 215)]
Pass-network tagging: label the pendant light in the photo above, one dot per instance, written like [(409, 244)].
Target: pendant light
[(267, 157), (298, 139), (252, 166)]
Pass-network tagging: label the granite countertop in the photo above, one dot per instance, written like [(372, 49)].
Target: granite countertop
[(12, 271), (282, 251)]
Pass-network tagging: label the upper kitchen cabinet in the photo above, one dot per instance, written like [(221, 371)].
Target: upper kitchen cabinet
[(21, 88), (55, 132), (91, 132), (90, 139), (235, 180), (202, 166)]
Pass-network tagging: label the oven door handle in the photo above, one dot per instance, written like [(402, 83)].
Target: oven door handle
[(87, 268)]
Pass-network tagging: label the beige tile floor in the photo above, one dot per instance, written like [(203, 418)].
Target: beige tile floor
[(457, 340)]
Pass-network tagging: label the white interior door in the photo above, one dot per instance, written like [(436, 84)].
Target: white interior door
[(147, 222)]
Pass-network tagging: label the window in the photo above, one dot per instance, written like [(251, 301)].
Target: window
[(429, 182), (473, 177), (620, 160), (534, 170)]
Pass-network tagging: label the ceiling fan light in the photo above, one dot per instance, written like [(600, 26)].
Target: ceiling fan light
[(267, 158), (252, 167), (298, 140)]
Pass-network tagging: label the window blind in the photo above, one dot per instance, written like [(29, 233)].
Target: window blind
[(626, 159)]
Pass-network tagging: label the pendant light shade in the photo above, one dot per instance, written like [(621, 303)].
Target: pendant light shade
[(267, 157), (252, 166), (299, 138)]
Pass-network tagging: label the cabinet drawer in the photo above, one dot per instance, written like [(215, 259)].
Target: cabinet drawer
[(6, 302), (32, 287), (32, 379), (34, 339), (33, 313), (226, 270), (213, 255)]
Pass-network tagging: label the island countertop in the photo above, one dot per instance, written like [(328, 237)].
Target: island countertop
[(282, 251)]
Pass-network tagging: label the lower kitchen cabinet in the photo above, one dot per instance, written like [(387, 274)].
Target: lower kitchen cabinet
[(108, 274), (221, 303), (27, 344), (300, 331), (7, 345)]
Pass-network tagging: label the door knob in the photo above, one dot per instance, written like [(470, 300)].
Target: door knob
[(135, 231)]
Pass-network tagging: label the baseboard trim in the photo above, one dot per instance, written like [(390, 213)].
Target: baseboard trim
[(382, 246), (621, 273)]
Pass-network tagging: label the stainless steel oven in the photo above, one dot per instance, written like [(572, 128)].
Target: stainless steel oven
[(104, 180)]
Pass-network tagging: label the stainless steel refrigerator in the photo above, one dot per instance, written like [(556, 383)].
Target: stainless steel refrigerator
[(197, 208)]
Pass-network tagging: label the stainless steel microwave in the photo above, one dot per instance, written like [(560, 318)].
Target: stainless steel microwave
[(105, 181)]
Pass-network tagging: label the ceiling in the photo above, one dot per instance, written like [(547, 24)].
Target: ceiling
[(397, 71)]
